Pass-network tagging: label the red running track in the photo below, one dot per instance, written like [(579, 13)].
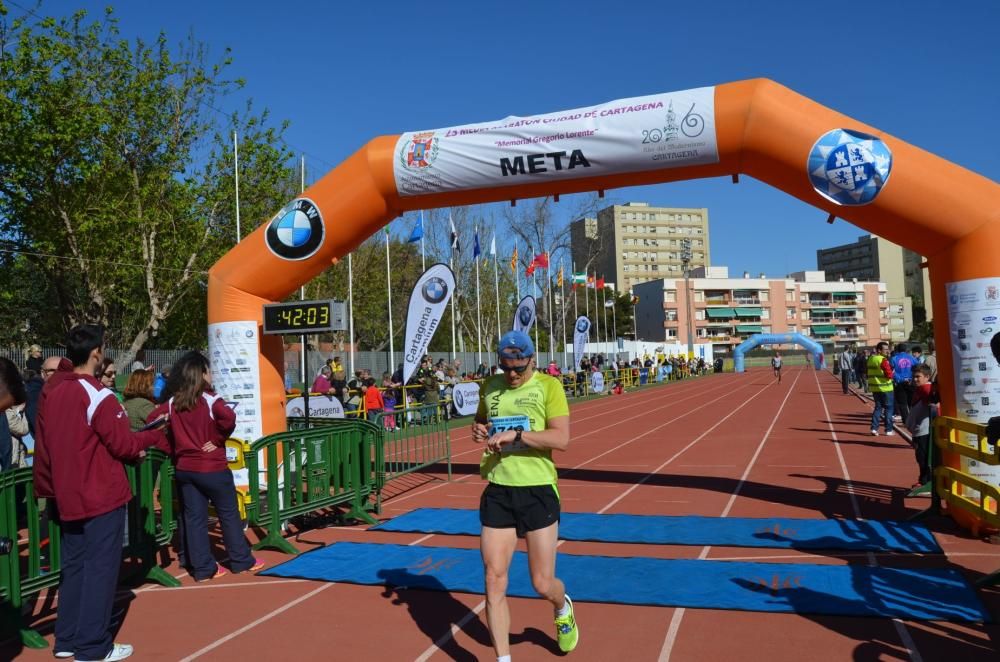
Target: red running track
[(729, 445)]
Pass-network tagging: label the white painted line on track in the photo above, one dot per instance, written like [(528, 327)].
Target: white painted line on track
[(675, 620), (904, 634)]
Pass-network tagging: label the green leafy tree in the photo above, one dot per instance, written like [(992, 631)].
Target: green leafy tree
[(116, 173)]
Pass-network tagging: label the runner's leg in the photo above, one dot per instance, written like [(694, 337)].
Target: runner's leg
[(497, 547)]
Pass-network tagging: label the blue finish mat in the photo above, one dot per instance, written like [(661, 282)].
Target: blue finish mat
[(857, 535), (854, 590)]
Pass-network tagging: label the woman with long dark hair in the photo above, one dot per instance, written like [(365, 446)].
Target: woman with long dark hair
[(200, 423)]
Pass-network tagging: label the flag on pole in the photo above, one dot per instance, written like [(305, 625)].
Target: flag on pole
[(387, 230), (475, 248), (559, 278), (418, 230), (541, 260), (493, 245), (600, 283), (579, 279), (454, 234), (513, 261), (530, 270), (609, 304), (590, 282)]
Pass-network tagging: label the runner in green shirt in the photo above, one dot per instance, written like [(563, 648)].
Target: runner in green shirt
[(522, 418)]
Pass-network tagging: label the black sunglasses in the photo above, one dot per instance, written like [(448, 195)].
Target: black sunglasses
[(519, 369)]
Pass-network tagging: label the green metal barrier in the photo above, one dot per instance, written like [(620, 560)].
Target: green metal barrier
[(28, 570), (22, 572), (308, 470), (412, 440)]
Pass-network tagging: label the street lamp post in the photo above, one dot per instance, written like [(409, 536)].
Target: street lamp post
[(686, 262)]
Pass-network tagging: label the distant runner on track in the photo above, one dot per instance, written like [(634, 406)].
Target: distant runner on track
[(776, 364)]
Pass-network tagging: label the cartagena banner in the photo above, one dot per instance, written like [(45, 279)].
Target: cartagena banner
[(524, 316), (427, 305), (320, 406), (581, 333), (628, 135), (466, 398)]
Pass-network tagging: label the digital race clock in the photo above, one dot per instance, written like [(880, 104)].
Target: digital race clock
[(304, 317)]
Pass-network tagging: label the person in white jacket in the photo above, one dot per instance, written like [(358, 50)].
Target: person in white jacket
[(846, 368)]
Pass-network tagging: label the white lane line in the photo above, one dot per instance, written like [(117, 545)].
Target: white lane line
[(678, 615), (904, 634)]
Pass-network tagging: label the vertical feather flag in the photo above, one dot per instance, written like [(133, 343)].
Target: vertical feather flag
[(513, 261), (454, 234), (418, 230), (559, 278), (475, 248)]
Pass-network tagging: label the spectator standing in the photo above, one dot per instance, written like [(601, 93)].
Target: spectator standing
[(200, 423), (33, 359), (902, 380), (322, 382), (374, 402), (930, 360), (861, 369), (139, 398), (81, 424), (12, 393), (919, 422), (846, 362), (880, 382), (107, 373)]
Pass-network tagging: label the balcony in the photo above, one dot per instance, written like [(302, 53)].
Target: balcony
[(845, 320), (746, 300), (823, 330)]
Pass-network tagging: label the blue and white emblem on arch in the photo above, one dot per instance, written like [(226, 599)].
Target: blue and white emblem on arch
[(849, 167)]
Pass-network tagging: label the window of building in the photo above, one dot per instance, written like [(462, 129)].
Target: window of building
[(765, 314), (699, 315), (672, 315), (789, 313), (881, 297), (656, 267), (861, 330), (804, 315), (790, 295), (861, 298), (765, 295), (670, 296), (699, 295), (671, 333), (860, 314), (766, 328), (793, 329), (803, 298), (884, 329)]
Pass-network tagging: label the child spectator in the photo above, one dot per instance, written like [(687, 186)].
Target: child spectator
[(918, 421), (617, 390), (200, 423), (389, 398), (139, 398), (374, 402)]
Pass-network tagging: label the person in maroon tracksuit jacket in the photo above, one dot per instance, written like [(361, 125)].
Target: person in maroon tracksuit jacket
[(200, 423), (82, 437)]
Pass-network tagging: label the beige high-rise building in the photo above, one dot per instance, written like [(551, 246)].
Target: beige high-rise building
[(872, 258), (634, 243)]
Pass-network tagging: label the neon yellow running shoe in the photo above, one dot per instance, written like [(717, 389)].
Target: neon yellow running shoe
[(567, 632)]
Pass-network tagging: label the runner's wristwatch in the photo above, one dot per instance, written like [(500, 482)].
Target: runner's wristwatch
[(517, 437)]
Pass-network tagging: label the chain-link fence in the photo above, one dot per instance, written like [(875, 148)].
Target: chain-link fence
[(160, 358)]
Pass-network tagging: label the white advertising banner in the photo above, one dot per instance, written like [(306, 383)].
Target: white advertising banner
[(234, 353), (427, 305), (628, 135), (581, 331), (466, 398), (597, 382), (974, 318), (320, 406), (524, 316)]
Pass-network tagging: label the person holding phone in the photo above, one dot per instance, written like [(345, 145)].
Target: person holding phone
[(523, 416), (200, 423)]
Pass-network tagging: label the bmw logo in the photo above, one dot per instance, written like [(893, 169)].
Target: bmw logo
[(297, 231), (582, 325), (849, 167), (525, 315), (459, 399), (435, 290)]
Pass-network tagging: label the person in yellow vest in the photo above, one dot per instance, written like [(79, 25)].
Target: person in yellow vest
[(522, 418), (880, 383)]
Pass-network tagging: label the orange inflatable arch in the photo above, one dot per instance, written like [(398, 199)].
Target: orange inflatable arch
[(761, 129)]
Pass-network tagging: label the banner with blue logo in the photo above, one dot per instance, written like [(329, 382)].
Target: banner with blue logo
[(581, 333), (524, 316), (428, 302)]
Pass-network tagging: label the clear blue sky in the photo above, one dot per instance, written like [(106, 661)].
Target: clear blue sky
[(343, 72)]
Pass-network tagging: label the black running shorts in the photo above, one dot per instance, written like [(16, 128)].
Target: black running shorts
[(522, 508)]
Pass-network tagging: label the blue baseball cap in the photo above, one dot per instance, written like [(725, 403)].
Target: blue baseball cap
[(515, 345)]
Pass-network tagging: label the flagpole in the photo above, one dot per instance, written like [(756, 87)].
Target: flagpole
[(479, 316), (236, 172), (562, 298), (534, 287), (552, 328), (517, 276), (597, 318), (388, 287), (496, 280), (350, 306), (604, 310), (423, 255), (451, 265)]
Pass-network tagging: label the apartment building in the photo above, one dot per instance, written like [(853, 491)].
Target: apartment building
[(874, 259), (726, 311), (635, 242)]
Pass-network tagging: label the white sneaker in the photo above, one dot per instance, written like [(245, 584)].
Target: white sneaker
[(874, 433), (118, 652), (62, 655), (889, 433)]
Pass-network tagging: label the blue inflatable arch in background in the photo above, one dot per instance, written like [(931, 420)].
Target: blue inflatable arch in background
[(777, 339)]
